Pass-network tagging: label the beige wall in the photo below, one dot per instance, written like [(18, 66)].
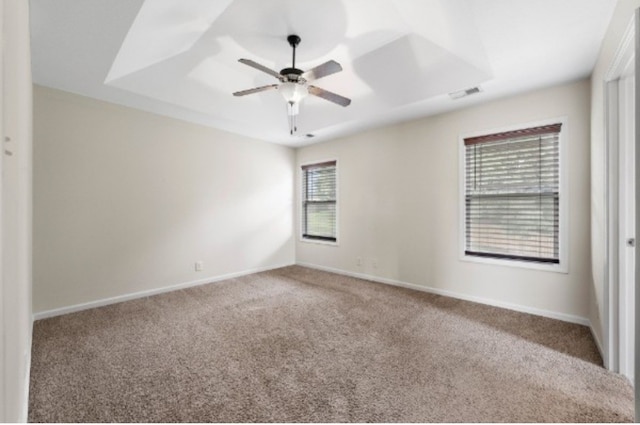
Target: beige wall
[(621, 18), (15, 211), (126, 202), (398, 205)]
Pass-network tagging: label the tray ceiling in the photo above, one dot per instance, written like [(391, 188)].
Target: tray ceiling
[(400, 58)]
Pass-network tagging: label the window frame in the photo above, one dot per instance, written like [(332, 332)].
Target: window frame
[(563, 242), (301, 206)]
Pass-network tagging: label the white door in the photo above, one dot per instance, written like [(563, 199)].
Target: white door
[(626, 196)]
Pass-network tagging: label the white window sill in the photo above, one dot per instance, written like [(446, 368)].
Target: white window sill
[(548, 267), (319, 242)]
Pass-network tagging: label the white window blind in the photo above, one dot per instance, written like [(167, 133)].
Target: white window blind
[(512, 195), (319, 201)]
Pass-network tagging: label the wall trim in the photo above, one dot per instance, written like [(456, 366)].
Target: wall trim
[(596, 339), (213, 279), (24, 416), (487, 301), (621, 55), (142, 294)]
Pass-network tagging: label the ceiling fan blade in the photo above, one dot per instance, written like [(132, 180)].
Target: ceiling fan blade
[(262, 68), (255, 90), (323, 70), (330, 96)]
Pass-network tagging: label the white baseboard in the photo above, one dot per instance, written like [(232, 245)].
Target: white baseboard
[(24, 416), (509, 306), (596, 339), (126, 297)]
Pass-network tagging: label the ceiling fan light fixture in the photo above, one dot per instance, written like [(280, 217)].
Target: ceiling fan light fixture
[(293, 92), (293, 83)]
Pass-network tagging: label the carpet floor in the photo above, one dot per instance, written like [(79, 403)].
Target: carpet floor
[(301, 345)]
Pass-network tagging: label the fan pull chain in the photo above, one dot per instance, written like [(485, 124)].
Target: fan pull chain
[(292, 112)]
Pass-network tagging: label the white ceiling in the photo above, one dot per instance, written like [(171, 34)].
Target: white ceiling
[(400, 58)]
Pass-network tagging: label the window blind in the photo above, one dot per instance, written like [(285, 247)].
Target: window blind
[(319, 201), (512, 195)]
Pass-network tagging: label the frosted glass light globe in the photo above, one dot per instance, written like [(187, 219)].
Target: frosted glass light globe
[(293, 92)]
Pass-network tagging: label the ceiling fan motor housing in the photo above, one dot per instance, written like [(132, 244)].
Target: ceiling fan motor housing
[(292, 74)]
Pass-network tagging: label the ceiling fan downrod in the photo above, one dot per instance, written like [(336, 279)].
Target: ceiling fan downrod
[(292, 73), (293, 40)]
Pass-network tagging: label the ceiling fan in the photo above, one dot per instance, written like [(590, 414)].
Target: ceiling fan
[(294, 83)]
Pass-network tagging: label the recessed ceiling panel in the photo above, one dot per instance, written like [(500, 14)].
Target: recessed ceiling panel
[(399, 57), (449, 24), (163, 29), (259, 28), (186, 54), (420, 68)]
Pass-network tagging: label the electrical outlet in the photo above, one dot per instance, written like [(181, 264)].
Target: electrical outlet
[(199, 266), (374, 263), (359, 261)]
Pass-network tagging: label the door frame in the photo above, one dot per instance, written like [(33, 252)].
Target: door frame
[(625, 54), (636, 20), (3, 331)]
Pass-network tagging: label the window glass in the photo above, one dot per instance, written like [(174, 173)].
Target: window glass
[(319, 201), (512, 195)]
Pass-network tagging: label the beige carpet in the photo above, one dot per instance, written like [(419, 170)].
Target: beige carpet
[(299, 345)]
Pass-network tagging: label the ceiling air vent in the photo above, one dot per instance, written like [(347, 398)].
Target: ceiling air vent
[(464, 93)]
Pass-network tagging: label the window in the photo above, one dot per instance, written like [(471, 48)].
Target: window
[(319, 201), (512, 195)]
